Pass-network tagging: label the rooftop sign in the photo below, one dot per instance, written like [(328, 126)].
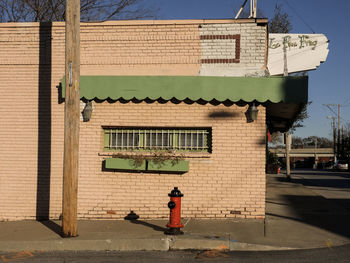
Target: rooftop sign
[(304, 52)]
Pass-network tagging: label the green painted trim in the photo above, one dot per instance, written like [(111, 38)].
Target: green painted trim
[(106, 138), (123, 164), (247, 89), (128, 165), (168, 166)]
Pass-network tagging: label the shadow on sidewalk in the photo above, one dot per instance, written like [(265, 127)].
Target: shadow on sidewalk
[(316, 211), (54, 227), (318, 172), (155, 227), (334, 183)]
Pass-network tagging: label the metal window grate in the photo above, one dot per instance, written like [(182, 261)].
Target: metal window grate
[(149, 139)]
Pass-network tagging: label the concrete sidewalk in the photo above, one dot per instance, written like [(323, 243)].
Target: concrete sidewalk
[(296, 218)]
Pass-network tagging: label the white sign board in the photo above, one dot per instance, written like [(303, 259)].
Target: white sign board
[(304, 52)]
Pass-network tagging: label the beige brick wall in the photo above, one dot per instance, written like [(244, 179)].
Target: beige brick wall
[(252, 49), (31, 134), (232, 178)]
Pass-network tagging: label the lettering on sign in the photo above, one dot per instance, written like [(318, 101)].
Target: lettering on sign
[(304, 52), (287, 42)]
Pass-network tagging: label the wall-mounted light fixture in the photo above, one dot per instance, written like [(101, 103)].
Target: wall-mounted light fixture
[(87, 111), (252, 113)]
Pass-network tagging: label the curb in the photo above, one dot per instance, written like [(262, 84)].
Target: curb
[(132, 244), (217, 243), (87, 245)]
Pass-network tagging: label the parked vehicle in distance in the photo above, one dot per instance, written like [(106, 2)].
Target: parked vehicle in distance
[(341, 165)]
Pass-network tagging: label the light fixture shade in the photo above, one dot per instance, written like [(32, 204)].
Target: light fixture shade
[(87, 112), (252, 113)]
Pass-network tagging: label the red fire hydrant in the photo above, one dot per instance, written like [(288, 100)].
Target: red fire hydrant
[(174, 205)]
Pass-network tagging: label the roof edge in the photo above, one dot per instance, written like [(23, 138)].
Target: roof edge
[(142, 22)]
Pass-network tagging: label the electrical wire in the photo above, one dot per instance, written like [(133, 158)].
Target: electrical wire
[(329, 107), (300, 17), (348, 99), (331, 110)]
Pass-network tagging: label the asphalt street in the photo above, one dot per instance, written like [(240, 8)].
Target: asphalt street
[(325, 255), (332, 185), (331, 205)]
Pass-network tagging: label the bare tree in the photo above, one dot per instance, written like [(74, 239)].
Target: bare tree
[(12, 10), (276, 138), (91, 10), (298, 121), (297, 142), (347, 129), (280, 23)]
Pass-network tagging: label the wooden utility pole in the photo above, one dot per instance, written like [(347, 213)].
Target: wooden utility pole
[(342, 141), (337, 140), (338, 131), (334, 137), (288, 144), (287, 135), (71, 120)]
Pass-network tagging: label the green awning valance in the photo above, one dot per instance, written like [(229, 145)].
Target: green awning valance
[(234, 89)]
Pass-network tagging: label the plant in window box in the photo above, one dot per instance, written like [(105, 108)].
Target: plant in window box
[(272, 163), (160, 158), (156, 161), (154, 149)]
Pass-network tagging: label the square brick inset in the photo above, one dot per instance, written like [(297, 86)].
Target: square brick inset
[(210, 45)]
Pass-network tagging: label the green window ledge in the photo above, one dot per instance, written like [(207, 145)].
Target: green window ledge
[(124, 164), (150, 166), (168, 166)]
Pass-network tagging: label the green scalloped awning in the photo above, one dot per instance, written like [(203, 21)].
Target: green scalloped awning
[(262, 89)]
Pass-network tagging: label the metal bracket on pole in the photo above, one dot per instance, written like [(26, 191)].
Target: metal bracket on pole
[(70, 74)]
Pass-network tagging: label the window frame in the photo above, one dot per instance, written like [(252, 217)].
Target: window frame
[(174, 142)]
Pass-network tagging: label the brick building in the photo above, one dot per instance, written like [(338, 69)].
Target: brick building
[(169, 101)]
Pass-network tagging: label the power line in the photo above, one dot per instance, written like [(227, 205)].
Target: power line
[(338, 128), (300, 17), (348, 99), (328, 106)]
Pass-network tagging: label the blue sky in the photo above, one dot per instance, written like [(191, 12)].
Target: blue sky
[(330, 82)]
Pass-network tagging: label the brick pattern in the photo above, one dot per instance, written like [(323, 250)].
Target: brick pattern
[(248, 52), (114, 50), (226, 184), (158, 44), (226, 49)]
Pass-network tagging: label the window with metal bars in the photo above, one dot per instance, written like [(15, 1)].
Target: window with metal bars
[(157, 139)]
